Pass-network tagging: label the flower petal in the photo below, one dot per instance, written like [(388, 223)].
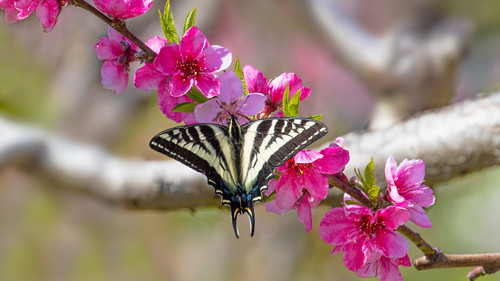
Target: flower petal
[(216, 58), (167, 58), (207, 84), (307, 156), (192, 44), (167, 103), (304, 212), (315, 183), (252, 104), (391, 169), (335, 228), (207, 111), (393, 216), (333, 161), (289, 190), (114, 76), (419, 217), (156, 43), (254, 79), (231, 88), (108, 49), (148, 78), (180, 85), (47, 12), (278, 85)]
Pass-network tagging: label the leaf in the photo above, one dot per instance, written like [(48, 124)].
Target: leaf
[(370, 174), (185, 107), (373, 192), (286, 100), (239, 71), (196, 96), (189, 21), (168, 25), (317, 117), (293, 105)]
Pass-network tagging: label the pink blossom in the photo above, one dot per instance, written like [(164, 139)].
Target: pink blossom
[(230, 102), (123, 9), (362, 235), (385, 269), (118, 52), (46, 10), (274, 89), (193, 62), (149, 78), (405, 188), (302, 185)]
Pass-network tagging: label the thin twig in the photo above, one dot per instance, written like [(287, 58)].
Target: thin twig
[(118, 25)]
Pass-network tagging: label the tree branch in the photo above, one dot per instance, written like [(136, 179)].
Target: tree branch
[(452, 141)]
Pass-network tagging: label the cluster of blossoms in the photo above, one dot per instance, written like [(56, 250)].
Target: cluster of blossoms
[(367, 237), (189, 91)]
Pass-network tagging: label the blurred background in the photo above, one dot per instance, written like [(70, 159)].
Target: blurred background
[(52, 81)]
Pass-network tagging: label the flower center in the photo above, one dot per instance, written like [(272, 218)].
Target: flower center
[(370, 228), (189, 68)]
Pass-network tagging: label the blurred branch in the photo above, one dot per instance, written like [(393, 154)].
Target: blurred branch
[(411, 67), (453, 141)]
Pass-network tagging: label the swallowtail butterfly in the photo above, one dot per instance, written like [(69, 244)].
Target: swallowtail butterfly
[(239, 160)]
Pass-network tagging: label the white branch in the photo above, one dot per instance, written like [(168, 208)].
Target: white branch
[(452, 141)]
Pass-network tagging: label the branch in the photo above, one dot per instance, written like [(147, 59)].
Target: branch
[(446, 261), (452, 141)]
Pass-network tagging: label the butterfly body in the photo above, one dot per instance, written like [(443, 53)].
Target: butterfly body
[(239, 160)]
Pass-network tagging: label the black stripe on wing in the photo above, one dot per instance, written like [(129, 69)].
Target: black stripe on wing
[(276, 140), (199, 147)]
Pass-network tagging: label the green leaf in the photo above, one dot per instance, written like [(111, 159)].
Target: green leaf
[(293, 105), (189, 21), (196, 96), (186, 107), (373, 192), (370, 174), (239, 71), (286, 100), (317, 117), (168, 25), (357, 171)]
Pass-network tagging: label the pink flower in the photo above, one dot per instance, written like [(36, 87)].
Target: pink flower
[(118, 52), (302, 185), (363, 236), (405, 188), (193, 62), (149, 78), (256, 83), (46, 10), (123, 9), (385, 269), (230, 102)]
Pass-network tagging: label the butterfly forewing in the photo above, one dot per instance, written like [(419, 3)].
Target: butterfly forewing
[(269, 143), (203, 147)]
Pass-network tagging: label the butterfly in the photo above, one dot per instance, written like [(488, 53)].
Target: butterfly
[(239, 160)]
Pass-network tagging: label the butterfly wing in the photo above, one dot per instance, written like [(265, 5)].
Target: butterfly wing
[(269, 143), (204, 148)]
